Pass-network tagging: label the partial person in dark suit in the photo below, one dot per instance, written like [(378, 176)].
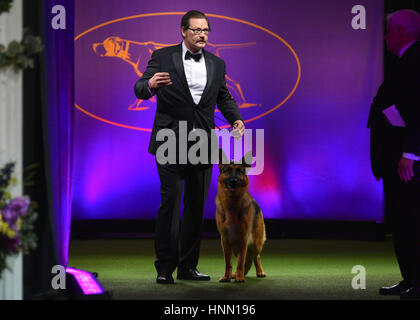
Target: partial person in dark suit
[(394, 121), (188, 82)]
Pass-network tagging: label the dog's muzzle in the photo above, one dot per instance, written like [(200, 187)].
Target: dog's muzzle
[(233, 183)]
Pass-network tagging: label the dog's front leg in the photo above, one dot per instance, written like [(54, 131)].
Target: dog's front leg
[(240, 267), (227, 251)]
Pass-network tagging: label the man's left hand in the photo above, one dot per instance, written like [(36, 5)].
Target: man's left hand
[(240, 126), (405, 169)]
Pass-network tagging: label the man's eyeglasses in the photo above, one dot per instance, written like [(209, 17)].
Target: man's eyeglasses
[(198, 31)]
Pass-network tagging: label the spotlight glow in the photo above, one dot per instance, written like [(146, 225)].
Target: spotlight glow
[(86, 281)]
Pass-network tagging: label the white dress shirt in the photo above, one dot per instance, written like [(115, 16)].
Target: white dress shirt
[(196, 74)]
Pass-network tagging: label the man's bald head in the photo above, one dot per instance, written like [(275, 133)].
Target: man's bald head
[(403, 27), (408, 20)]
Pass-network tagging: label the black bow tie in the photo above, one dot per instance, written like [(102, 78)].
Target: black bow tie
[(189, 55)]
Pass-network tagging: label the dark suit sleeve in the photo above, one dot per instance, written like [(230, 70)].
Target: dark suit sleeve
[(383, 99), (226, 104), (412, 119), (141, 88)]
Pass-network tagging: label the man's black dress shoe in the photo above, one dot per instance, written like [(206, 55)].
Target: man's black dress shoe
[(165, 278), (395, 290), (412, 293), (192, 274)]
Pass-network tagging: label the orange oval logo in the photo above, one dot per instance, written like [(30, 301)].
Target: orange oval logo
[(254, 94)]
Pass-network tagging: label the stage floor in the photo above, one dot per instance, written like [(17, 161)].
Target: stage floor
[(295, 268)]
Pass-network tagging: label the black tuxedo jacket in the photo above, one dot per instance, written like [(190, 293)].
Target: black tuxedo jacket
[(402, 89), (175, 103)]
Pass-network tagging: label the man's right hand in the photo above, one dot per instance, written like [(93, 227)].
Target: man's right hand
[(160, 79), (405, 169)]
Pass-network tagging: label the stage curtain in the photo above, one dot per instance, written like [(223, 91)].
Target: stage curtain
[(58, 117)]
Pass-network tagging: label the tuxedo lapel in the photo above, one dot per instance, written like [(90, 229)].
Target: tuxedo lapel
[(177, 60), (210, 73)]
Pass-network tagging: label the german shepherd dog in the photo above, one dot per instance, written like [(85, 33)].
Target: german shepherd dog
[(239, 219)]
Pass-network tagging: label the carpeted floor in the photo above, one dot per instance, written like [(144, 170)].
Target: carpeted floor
[(296, 269)]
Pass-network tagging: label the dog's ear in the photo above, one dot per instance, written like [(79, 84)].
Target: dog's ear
[(247, 160), (223, 160)]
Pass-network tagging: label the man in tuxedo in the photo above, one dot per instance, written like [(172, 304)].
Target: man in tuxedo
[(394, 121), (188, 83)]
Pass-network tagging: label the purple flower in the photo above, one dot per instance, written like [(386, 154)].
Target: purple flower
[(10, 215), (20, 205), (17, 207)]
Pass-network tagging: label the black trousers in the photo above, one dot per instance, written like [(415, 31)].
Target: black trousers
[(173, 177), (402, 203)]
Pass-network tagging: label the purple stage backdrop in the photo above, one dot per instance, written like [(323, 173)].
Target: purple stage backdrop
[(296, 68)]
